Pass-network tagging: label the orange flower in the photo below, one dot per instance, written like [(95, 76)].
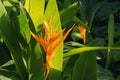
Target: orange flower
[(48, 42), (82, 31)]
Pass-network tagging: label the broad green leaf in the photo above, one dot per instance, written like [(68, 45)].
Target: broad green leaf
[(93, 11), (68, 67), (24, 27), (97, 42), (56, 63), (33, 55), (10, 38), (85, 67), (37, 66), (104, 74), (36, 10), (87, 9), (85, 49), (100, 31), (67, 14), (66, 3), (106, 9), (110, 39)]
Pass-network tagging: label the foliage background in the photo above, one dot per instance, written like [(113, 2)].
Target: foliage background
[(21, 57)]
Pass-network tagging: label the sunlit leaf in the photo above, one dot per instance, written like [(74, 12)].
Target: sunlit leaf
[(24, 27), (56, 64), (36, 9)]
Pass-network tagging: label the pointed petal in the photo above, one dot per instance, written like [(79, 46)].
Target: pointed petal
[(46, 27), (82, 31), (58, 43), (40, 40), (54, 37), (49, 21)]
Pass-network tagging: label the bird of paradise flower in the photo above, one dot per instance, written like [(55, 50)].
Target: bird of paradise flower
[(82, 31), (48, 42)]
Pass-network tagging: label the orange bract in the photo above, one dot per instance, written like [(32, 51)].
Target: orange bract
[(48, 42), (82, 31)]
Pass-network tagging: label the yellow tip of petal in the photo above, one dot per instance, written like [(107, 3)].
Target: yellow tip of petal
[(45, 26)]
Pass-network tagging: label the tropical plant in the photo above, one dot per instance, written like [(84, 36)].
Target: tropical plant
[(33, 45)]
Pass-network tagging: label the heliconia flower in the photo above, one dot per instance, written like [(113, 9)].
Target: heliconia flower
[(49, 43), (82, 31)]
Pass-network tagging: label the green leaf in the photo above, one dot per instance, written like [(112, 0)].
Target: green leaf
[(37, 66), (111, 31), (66, 3), (10, 38), (97, 42), (67, 14), (24, 27), (84, 49), (56, 63), (104, 74), (106, 9), (68, 67), (85, 67), (8, 6), (86, 9), (33, 55), (36, 10), (110, 39)]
